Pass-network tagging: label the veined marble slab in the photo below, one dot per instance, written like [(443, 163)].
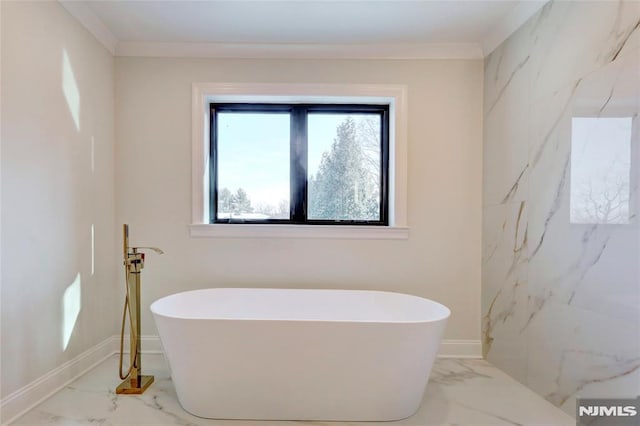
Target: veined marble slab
[(506, 137), (505, 292), (570, 40), (564, 316), (469, 392)]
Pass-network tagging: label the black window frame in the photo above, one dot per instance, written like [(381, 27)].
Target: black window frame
[(298, 158)]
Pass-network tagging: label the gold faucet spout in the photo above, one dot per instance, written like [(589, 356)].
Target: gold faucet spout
[(155, 249)]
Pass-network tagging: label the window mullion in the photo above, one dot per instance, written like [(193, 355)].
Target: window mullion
[(213, 165), (384, 165), (298, 167)]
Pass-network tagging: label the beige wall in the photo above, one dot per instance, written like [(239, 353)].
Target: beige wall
[(440, 260), (60, 178), (51, 194)]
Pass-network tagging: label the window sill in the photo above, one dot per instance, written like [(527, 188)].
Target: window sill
[(341, 232)]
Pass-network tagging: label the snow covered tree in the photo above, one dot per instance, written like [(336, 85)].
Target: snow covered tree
[(347, 184)]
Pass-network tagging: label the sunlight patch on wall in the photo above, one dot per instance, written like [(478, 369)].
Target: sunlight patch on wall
[(71, 304), (93, 250), (70, 89), (600, 169), (93, 154)]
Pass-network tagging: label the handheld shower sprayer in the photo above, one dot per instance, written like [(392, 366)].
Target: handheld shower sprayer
[(134, 382)]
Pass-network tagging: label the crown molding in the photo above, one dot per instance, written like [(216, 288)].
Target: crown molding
[(510, 23), (513, 20), (301, 51), (92, 23)]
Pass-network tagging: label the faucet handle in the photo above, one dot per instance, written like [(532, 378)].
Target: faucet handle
[(155, 249)]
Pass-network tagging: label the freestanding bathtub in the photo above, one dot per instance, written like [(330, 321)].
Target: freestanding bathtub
[(277, 354)]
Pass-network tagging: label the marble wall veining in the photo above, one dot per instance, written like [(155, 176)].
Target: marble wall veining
[(561, 234)]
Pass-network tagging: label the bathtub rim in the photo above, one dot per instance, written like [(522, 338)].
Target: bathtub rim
[(443, 311)]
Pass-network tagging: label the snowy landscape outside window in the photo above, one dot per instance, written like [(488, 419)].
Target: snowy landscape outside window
[(299, 164)]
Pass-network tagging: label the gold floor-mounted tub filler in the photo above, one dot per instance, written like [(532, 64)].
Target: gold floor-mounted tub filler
[(134, 381)]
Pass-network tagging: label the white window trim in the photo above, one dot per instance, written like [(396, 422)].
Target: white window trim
[(393, 95)]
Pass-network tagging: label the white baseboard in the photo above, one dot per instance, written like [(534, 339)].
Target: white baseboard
[(17, 403), (460, 349), (24, 399)]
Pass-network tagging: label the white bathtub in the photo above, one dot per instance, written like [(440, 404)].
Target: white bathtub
[(276, 354)]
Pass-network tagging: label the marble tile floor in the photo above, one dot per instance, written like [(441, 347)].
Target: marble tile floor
[(460, 392)]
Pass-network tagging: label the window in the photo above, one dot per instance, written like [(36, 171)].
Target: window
[(313, 164), (393, 97)]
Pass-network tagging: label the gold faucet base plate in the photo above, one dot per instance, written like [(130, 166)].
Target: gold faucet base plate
[(130, 387)]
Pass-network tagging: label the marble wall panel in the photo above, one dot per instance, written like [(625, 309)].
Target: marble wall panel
[(565, 320), (505, 295), (506, 91)]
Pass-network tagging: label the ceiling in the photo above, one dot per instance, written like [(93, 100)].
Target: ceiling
[(314, 28)]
